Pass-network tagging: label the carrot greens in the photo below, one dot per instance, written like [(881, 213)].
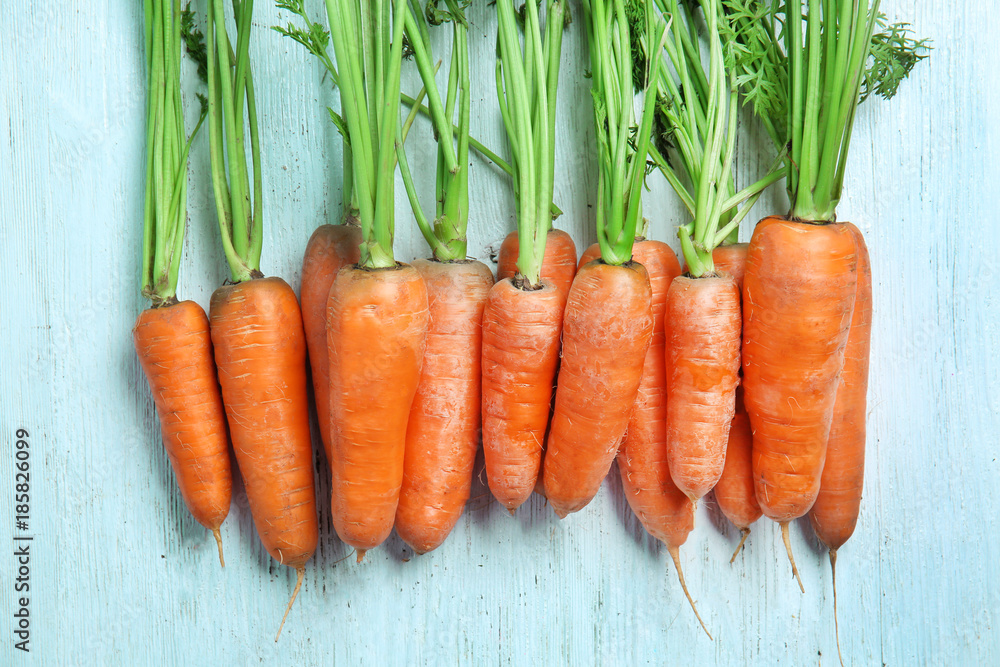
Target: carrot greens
[(167, 147), (805, 65), (446, 234), (698, 115), (622, 147), (231, 98), (527, 80)]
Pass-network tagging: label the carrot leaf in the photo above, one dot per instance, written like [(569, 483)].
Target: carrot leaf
[(527, 81), (167, 147)]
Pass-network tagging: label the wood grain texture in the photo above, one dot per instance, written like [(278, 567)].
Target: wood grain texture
[(121, 574)]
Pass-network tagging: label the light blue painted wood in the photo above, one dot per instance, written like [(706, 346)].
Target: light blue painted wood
[(122, 575)]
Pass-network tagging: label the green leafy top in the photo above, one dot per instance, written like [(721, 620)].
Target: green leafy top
[(612, 28), (527, 81), (447, 235), (806, 88), (367, 37), (230, 96), (698, 113), (316, 39), (167, 147)]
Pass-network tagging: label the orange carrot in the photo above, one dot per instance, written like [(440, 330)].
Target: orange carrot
[(521, 330), (558, 264), (732, 259), (260, 352), (172, 338), (798, 296), (703, 361), (607, 329), (664, 511), (835, 512), (734, 490), (376, 329), (330, 248), (175, 351), (442, 435), (593, 252)]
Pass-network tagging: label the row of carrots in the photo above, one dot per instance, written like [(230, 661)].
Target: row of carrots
[(744, 371)]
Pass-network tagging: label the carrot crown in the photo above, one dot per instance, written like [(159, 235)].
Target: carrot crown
[(446, 236), (230, 96), (806, 88), (527, 81), (697, 115), (167, 147), (622, 147)]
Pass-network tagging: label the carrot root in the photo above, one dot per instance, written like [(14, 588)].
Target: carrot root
[(836, 627), (676, 555), (791, 558), (300, 573), (739, 547), (361, 554), (218, 541)]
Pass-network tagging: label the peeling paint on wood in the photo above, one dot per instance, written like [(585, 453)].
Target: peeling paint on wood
[(122, 575)]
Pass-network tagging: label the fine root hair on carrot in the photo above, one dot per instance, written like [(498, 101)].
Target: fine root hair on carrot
[(341, 560), (218, 541), (300, 573), (836, 627), (791, 558), (739, 547), (675, 554)]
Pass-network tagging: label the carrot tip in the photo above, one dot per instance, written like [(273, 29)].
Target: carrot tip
[(676, 556), (836, 626), (791, 558), (739, 547), (300, 572), (562, 514), (511, 510), (218, 541), (361, 554)]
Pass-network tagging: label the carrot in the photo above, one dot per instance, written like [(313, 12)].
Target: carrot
[(377, 310), (521, 330), (807, 72), (175, 351), (608, 323), (731, 258), (664, 511), (442, 435), (256, 323), (703, 307), (172, 338), (376, 329), (593, 252), (734, 491), (559, 264), (260, 352), (703, 358), (607, 329), (330, 248), (835, 512), (798, 295), (522, 320)]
